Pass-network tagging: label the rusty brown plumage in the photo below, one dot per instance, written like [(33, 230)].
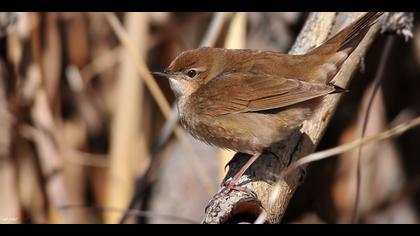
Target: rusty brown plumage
[(246, 100)]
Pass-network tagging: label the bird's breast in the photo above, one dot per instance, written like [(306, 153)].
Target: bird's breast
[(244, 132)]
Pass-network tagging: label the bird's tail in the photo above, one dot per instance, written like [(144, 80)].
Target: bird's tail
[(349, 37), (332, 53)]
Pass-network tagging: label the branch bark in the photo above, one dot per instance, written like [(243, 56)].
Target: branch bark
[(235, 206)]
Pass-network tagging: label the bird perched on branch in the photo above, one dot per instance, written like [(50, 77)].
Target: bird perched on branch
[(246, 100)]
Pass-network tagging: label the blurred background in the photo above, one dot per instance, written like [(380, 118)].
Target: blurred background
[(83, 124)]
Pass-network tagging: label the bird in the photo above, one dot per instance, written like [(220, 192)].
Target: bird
[(246, 100)]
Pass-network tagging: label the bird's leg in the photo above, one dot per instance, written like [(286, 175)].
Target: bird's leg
[(232, 184)]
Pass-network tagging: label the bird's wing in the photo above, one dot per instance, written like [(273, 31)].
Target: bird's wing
[(240, 92)]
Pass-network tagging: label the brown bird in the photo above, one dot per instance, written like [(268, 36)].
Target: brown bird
[(246, 100)]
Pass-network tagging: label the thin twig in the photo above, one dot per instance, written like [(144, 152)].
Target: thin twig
[(398, 130), (391, 133), (376, 84)]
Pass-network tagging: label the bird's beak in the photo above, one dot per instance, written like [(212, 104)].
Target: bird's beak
[(162, 74)]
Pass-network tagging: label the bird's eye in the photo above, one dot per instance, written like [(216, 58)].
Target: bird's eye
[(192, 73)]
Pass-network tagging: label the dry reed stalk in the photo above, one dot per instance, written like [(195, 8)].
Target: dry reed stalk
[(9, 206), (51, 57), (28, 191), (125, 130), (44, 134)]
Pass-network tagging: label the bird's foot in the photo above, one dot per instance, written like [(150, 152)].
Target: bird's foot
[(229, 186)]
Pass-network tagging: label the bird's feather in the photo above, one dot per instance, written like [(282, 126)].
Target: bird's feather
[(244, 92)]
